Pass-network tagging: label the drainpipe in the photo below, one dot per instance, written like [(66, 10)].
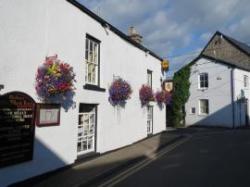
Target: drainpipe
[(232, 95)]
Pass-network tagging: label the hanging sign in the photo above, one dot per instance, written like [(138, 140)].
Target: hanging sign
[(165, 64)]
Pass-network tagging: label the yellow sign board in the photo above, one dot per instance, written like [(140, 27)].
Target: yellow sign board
[(165, 64)]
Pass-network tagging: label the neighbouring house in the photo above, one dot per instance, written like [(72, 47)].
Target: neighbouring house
[(219, 90), (40, 136)]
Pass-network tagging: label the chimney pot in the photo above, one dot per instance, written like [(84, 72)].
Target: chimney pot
[(134, 35)]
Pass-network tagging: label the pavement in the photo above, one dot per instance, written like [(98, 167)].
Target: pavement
[(91, 172)]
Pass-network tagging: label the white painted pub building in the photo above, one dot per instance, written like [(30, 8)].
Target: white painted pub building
[(99, 53)]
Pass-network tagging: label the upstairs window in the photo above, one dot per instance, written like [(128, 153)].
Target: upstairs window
[(203, 80), (246, 81), (92, 47), (149, 78)]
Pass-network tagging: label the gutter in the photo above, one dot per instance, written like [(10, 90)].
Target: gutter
[(232, 96)]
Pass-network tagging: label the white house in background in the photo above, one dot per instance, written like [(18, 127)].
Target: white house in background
[(219, 90), (31, 30)]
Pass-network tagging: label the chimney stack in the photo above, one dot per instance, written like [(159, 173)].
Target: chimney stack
[(134, 35)]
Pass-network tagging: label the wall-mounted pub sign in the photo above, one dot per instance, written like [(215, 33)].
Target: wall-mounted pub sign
[(165, 65), (17, 126)]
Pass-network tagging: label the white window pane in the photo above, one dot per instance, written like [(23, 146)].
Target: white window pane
[(246, 81), (92, 118), (91, 73), (86, 49), (149, 79), (92, 58), (95, 53), (79, 146), (91, 46), (203, 79)]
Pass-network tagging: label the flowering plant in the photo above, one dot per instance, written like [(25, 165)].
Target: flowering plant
[(146, 94), (54, 78), (163, 97), (119, 92)]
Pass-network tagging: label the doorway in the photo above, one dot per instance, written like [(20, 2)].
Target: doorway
[(86, 129), (149, 120)]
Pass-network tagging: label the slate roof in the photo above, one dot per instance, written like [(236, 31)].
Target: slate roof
[(237, 44), (112, 28), (240, 45)]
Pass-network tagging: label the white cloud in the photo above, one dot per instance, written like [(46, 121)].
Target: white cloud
[(176, 27), (206, 36), (125, 13)]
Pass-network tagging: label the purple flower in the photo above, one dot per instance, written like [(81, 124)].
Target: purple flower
[(146, 95), (54, 77), (119, 92)]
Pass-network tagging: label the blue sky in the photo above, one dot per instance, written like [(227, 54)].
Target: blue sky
[(177, 29)]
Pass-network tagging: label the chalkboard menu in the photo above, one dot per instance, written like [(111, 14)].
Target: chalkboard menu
[(17, 117)]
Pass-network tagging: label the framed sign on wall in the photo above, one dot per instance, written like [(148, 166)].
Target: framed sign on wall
[(48, 115)]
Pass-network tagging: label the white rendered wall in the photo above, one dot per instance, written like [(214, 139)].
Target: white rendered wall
[(218, 93), (239, 87), (31, 30)]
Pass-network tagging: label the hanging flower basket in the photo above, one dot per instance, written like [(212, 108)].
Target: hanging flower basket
[(54, 78), (163, 97), (146, 95), (119, 92)]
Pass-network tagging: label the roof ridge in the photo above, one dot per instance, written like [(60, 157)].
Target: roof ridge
[(239, 44), (113, 28)]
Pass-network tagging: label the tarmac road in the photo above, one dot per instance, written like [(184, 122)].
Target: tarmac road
[(205, 160)]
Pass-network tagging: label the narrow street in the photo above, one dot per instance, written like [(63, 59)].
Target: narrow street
[(206, 159)]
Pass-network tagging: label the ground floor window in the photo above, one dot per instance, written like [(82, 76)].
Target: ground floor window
[(86, 128), (192, 111), (149, 120), (204, 106)]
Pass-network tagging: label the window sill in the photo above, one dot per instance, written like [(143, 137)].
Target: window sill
[(94, 88), (203, 114), (202, 89), (86, 157)]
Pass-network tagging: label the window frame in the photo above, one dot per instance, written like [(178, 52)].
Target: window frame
[(191, 110), (150, 109), (245, 81), (207, 107), (149, 72), (97, 60), (205, 81), (85, 108)]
